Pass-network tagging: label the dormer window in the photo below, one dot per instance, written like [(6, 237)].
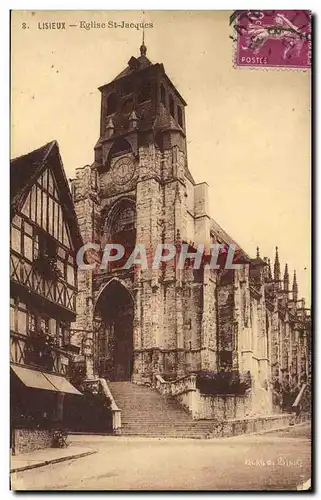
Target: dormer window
[(171, 106), (112, 102)]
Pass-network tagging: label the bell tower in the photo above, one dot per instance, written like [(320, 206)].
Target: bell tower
[(139, 107), (141, 175)]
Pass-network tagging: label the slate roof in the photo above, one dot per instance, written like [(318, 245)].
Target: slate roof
[(224, 237), (144, 63), (24, 171)]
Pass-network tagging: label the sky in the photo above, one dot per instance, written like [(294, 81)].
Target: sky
[(248, 130)]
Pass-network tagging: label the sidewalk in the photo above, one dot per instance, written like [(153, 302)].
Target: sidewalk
[(47, 456)]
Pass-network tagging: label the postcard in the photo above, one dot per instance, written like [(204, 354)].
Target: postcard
[(160, 252)]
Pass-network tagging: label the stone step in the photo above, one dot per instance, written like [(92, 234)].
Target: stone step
[(154, 422), (167, 435), (167, 425), (145, 412)]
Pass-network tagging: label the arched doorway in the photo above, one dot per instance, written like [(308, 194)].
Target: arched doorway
[(114, 332)]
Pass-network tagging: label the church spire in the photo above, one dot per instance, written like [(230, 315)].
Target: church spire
[(277, 270), (143, 48), (286, 278), (295, 288)]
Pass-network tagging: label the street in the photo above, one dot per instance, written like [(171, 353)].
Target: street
[(279, 460)]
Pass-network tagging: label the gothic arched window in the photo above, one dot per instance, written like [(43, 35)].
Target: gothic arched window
[(112, 102)]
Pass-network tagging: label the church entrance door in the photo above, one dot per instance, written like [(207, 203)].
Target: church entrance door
[(114, 333)]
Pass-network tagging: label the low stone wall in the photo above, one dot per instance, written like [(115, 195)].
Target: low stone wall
[(235, 427), (203, 406), (26, 440), (220, 406), (116, 412), (257, 401), (231, 414)]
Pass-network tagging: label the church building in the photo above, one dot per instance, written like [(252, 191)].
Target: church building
[(244, 329)]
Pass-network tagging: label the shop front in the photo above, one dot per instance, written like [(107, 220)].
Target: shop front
[(37, 401)]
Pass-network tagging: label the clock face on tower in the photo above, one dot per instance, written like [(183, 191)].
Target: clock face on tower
[(123, 170)]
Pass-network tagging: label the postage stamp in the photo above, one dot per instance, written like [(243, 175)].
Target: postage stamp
[(273, 38)]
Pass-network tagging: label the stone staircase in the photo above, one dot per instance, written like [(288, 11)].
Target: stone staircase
[(145, 412)]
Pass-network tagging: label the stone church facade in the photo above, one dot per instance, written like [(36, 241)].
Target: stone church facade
[(142, 325)]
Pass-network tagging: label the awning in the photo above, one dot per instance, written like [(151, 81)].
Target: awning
[(33, 378), (62, 384), (46, 381)]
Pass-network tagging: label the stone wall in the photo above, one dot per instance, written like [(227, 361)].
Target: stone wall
[(26, 440), (235, 427), (258, 401), (210, 407)]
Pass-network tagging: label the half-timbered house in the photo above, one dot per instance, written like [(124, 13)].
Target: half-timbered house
[(43, 278)]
